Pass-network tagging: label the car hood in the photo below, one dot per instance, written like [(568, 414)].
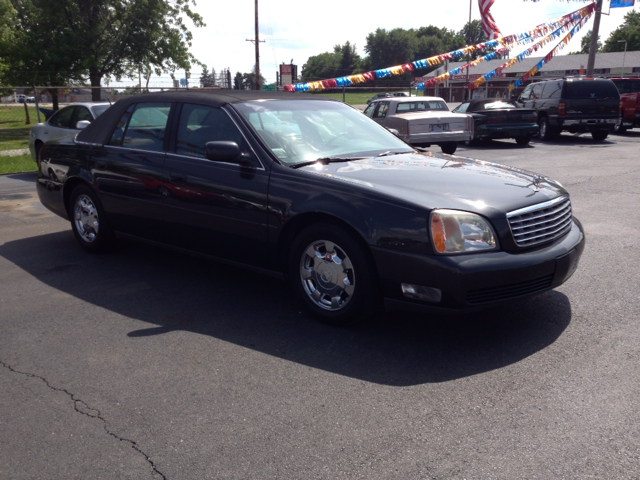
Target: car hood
[(430, 181)]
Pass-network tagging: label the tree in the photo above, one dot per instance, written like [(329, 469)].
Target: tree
[(69, 39), (629, 31), (7, 36), (473, 34), (390, 48), (207, 79), (237, 81), (585, 44), (343, 61), (38, 50)]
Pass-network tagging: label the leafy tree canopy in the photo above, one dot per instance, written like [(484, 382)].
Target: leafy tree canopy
[(629, 31), (344, 60), (68, 39), (585, 44)]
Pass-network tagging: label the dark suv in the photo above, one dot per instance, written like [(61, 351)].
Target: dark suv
[(573, 104)]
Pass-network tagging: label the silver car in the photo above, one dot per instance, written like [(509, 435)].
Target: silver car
[(66, 121), (422, 121)]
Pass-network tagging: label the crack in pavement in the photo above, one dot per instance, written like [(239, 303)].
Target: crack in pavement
[(81, 407)]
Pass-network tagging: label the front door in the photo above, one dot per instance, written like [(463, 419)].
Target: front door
[(214, 207)]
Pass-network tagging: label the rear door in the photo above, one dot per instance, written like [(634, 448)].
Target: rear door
[(128, 170)]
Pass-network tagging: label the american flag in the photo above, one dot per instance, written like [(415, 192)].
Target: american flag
[(491, 30)]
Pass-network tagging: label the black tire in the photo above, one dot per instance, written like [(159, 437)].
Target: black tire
[(523, 140), (619, 128), (449, 147), (545, 131), (333, 275), (89, 222), (599, 135)]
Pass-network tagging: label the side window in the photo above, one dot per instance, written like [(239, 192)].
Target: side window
[(146, 127), (552, 90), (62, 118), (526, 95), (370, 108), (118, 133), (536, 92), (382, 110), (200, 124), (80, 113), (461, 108)]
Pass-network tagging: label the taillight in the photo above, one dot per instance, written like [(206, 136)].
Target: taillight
[(561, 106)]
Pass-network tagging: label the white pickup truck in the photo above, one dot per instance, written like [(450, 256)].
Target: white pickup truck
[(422, 121)]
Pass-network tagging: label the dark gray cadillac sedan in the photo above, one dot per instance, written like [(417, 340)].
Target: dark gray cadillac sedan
[(309, 189)]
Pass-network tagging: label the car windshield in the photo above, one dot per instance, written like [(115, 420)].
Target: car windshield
[(422, 106), (299, 131), (99, 109)]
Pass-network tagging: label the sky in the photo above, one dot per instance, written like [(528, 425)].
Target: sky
[(296, 31)]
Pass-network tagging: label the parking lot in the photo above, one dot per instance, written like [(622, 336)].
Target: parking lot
[(146, 363)]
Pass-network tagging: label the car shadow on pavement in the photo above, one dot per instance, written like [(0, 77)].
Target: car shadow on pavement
[(173, 291)]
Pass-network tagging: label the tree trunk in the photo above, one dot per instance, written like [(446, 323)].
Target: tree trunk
[(54, 97), (96, 78)]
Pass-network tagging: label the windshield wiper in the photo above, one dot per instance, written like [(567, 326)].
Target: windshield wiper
[(385, 154), (326, 161)]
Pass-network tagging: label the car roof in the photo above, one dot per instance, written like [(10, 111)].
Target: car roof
[(415, 99), (476, 101), (100, 129)]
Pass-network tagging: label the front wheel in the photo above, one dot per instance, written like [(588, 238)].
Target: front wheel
[(333, 275), (449, 147), (545, 131), (89, 222), (523, 140), (619, 128)]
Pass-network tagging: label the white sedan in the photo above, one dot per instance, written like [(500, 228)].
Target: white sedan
[(65, 121)]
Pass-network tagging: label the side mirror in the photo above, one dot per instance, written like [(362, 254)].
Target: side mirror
[(394, 131), (222, 151), (82, 124)]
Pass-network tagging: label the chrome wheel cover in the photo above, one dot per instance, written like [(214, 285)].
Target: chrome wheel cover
[(543, 129), (327, 275), (85, 218)]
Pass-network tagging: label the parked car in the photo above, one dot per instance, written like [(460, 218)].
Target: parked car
[(309, 189), (629, 89), (495, 118), (401, 94), (573, 104), (378, 96), (422, 121), (65, 121)]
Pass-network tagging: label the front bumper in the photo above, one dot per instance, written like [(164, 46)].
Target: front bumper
[(475, 281)]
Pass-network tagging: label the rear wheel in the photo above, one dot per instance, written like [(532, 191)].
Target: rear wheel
[(599, 135), (89, 222), (523, 140), (449, 147), (332, 275)]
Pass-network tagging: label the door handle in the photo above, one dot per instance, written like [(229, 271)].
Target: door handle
[(178, 177)]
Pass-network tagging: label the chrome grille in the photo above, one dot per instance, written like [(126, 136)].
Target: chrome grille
[(541, 223)]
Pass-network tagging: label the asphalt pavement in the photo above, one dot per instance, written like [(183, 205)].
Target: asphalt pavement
[(145, 363)]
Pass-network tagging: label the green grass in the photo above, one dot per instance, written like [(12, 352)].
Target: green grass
[(21, 163), (14, 134), (354, 98)]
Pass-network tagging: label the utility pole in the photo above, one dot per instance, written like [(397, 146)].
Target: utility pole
[(466, 91), (256, 42), (594, 39)]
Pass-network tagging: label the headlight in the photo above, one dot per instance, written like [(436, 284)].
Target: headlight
[(453, 231)]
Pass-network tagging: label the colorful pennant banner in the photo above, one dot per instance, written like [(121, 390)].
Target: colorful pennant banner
[(576, 22), (502, 44)]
